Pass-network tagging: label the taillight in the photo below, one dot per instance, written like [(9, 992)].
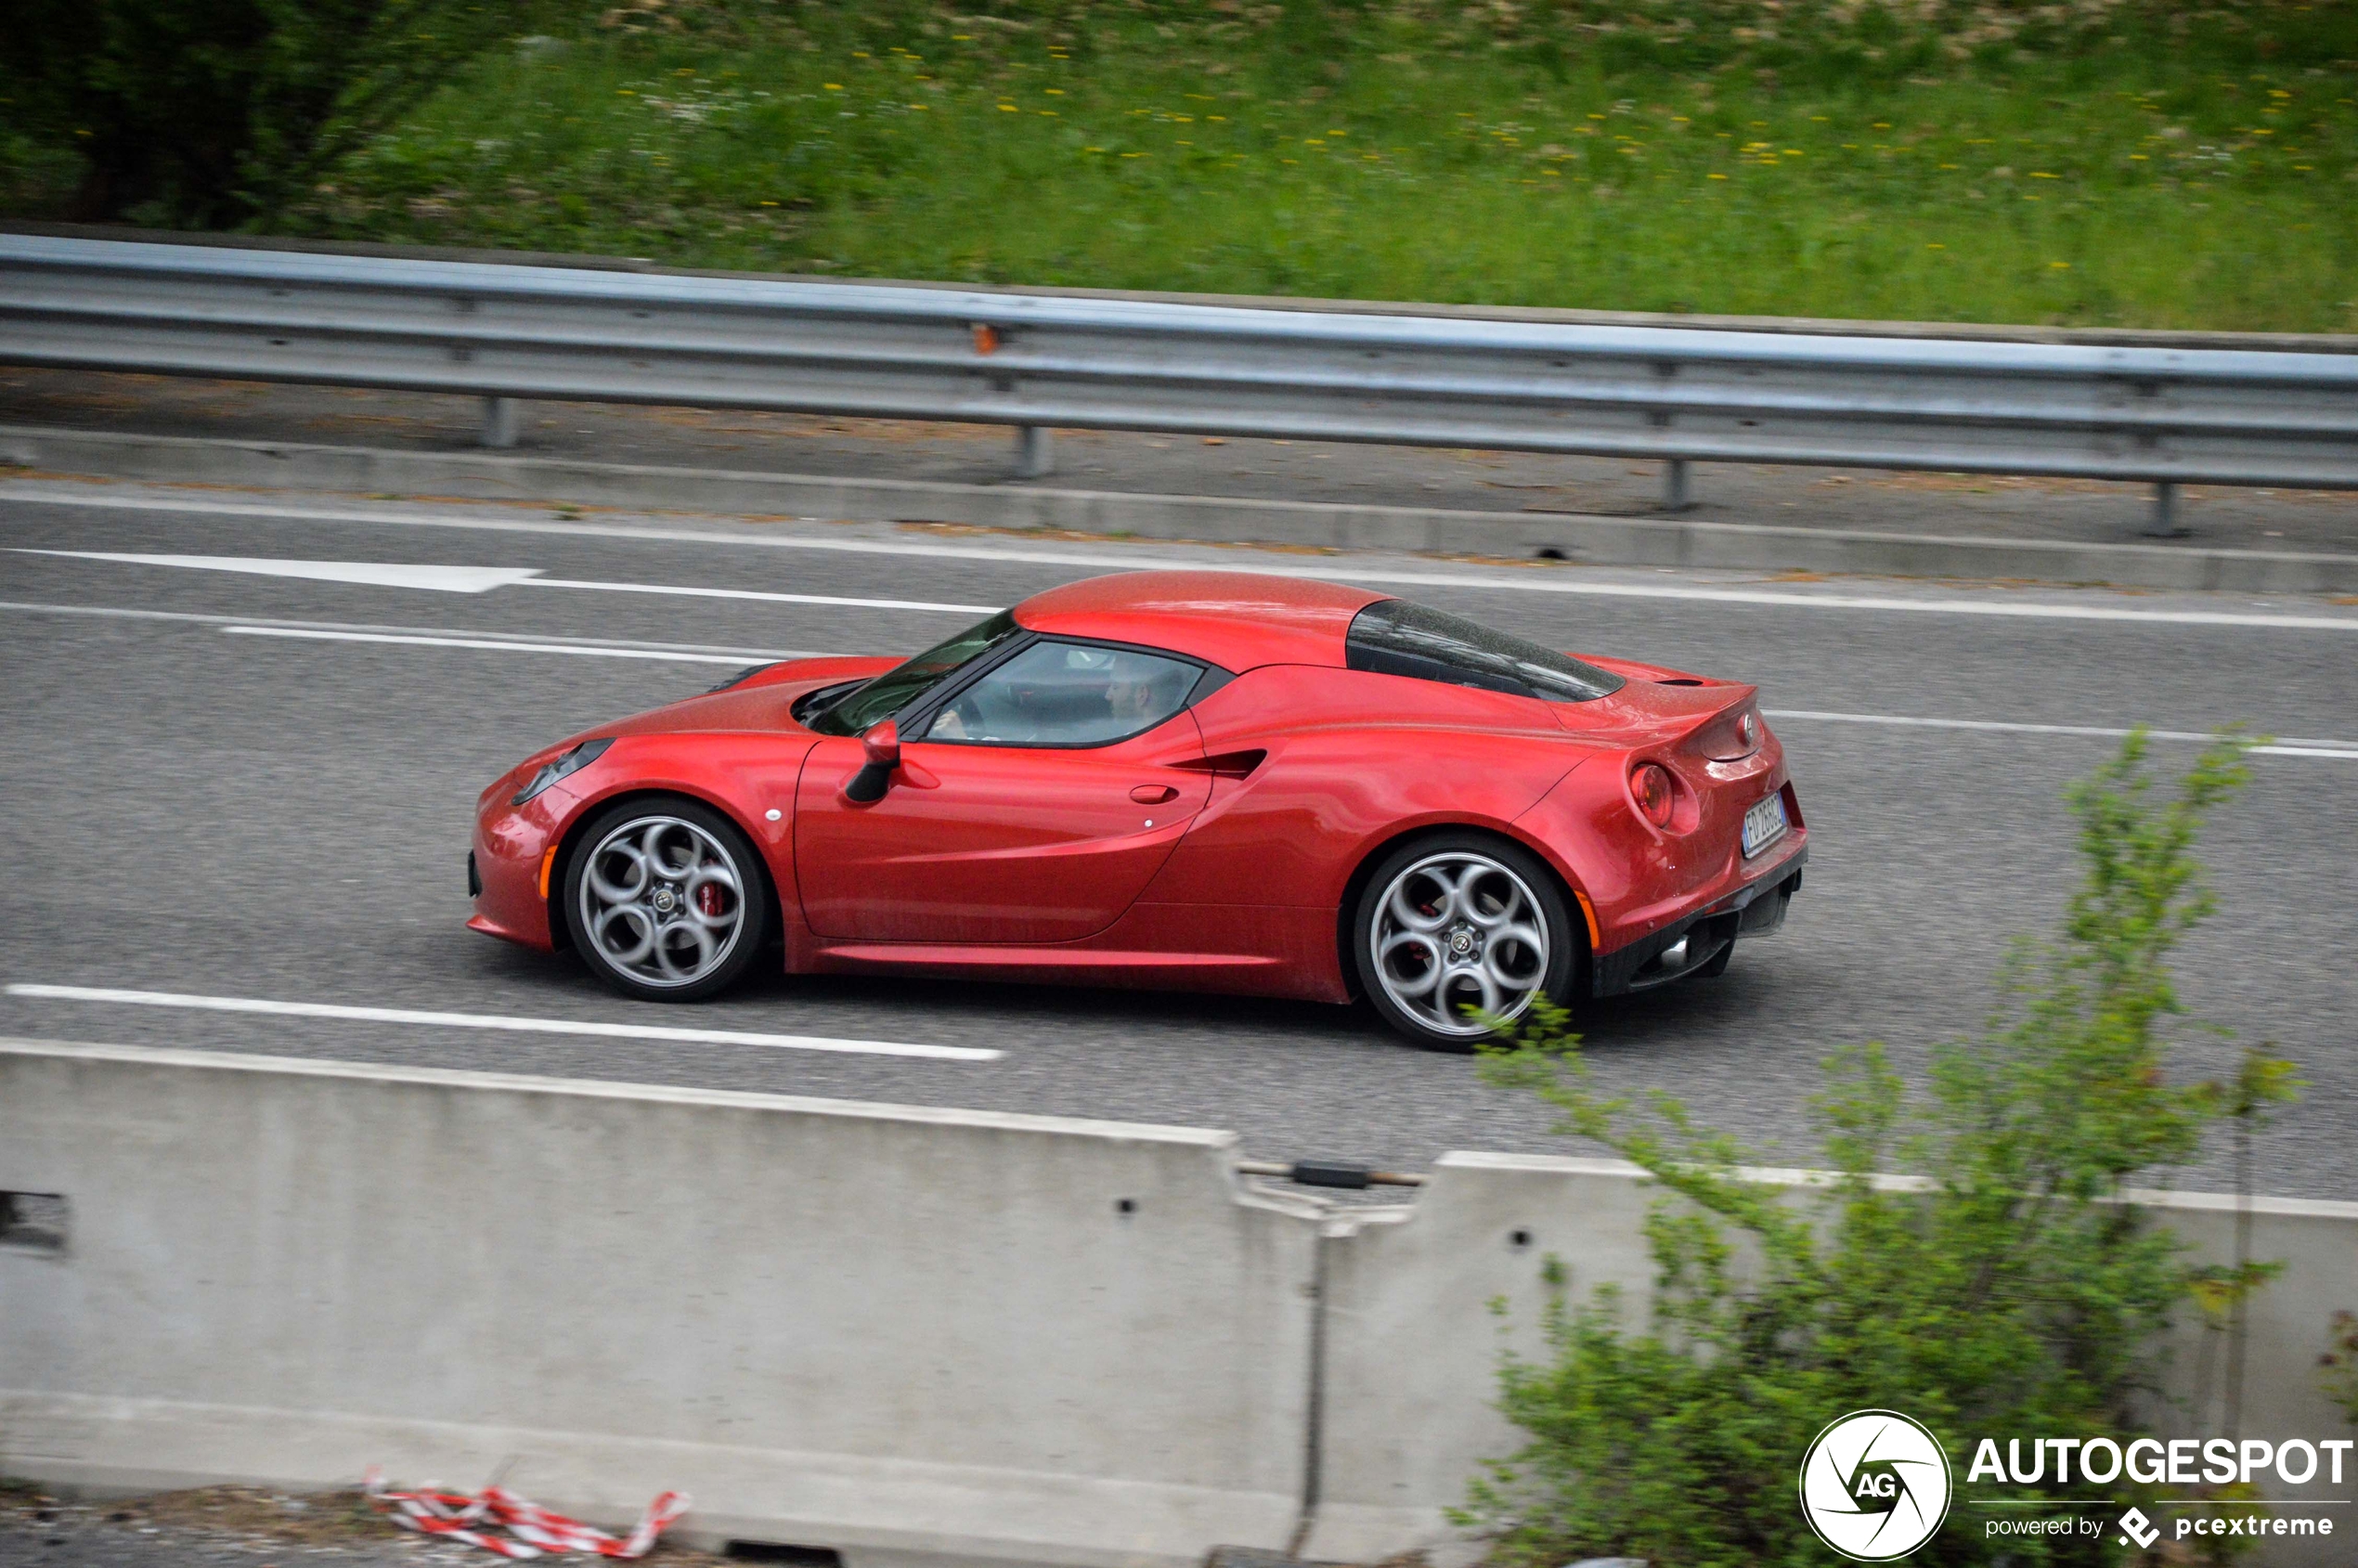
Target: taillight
[(1649, 787)]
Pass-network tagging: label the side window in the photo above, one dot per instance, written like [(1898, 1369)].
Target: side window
[(1064, 694)]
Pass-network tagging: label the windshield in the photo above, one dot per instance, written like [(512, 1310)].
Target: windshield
[(1394, 637), (902, 684)]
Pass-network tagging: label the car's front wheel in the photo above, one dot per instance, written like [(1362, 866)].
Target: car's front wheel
[(1456, 932), (666, 899)]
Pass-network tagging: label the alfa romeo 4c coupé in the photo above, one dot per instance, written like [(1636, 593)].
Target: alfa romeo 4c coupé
[(1190, 780)]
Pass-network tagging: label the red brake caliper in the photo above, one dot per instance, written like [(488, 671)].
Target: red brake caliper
[(709, 900)]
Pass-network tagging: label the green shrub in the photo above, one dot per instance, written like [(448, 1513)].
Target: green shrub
[(2005, 1289), (2340, 1363)]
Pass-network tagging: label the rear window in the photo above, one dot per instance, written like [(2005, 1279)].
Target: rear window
[(1394, 637)]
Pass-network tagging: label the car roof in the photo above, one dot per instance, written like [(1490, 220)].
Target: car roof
[(1234, 619)]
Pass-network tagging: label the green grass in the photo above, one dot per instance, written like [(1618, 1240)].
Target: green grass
[(2116, 173)]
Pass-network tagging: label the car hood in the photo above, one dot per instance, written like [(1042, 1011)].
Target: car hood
[(761, 700)]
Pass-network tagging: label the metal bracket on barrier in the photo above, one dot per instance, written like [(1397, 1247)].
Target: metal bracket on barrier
[(36, 1222), (1317, 1172)]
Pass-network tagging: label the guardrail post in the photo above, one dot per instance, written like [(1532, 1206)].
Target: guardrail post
[(1677, 484), (500, 422), (2164, 524), (1035, 451)]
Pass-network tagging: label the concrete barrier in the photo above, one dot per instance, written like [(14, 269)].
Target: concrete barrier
[(911, 1335), (1594, 541), (904, 1334)]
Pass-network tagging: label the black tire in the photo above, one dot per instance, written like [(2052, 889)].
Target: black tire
[(1414, 1015), (720, 892)]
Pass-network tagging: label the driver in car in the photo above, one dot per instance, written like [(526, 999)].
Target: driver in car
[(1137, 700), (1136, 694)]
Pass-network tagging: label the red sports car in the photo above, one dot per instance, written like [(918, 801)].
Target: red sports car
[(1195, 780)]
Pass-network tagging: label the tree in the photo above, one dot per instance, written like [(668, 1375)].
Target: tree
[(206, 113)]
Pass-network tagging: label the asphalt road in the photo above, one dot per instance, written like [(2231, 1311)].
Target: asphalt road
[(201, 809)]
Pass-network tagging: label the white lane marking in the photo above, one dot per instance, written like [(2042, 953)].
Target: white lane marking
[(2290, 748), (1917, 606), (366, 574), (503, 1021), (1539, 580), (477, 579), (733, 655), (500, 646), (763, 597)]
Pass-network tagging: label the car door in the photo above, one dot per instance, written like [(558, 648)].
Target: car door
[(1033, 805)]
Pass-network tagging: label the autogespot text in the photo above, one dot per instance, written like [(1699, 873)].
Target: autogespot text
[(2156, 1463)]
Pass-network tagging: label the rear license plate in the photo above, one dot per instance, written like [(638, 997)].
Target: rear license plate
[(1764, 824)]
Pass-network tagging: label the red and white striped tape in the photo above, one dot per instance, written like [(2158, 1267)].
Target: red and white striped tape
[(531, 1530)]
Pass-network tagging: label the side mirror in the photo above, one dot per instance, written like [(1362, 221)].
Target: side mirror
[(881, 745)]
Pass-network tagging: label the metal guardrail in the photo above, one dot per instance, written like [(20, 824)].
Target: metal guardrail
[(2163, 415)]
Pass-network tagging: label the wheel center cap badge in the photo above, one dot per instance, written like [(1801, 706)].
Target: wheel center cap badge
[(663, 900), (1461, 942)]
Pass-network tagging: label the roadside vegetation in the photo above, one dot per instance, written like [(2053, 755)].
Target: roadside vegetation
[(2008, 1289), (2339, 1374), (2089, 161)]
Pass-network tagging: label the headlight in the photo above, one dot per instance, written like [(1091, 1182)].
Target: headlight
[(573, 761)]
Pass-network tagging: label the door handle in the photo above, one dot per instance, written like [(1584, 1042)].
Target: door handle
[(1153, 794)]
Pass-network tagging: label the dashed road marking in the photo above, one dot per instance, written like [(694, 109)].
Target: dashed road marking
[(496, 639), (497, 646), (2343, 750)]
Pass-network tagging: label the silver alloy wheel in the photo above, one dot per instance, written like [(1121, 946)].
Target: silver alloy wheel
[(1459, 929), (662, 901)]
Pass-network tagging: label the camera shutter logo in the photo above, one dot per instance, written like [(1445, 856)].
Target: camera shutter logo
[(1874, 1485)]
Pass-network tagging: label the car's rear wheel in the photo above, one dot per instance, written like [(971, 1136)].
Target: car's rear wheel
[(666, 899), (1457, 932)]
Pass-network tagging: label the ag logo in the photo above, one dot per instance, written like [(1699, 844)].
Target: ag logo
[(1874, 1485)]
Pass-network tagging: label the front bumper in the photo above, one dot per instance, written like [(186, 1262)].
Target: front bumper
[(1757, 909), (513, 852)]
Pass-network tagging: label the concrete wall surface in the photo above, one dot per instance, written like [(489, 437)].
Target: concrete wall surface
[(903, 1333), (914, 1336)]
